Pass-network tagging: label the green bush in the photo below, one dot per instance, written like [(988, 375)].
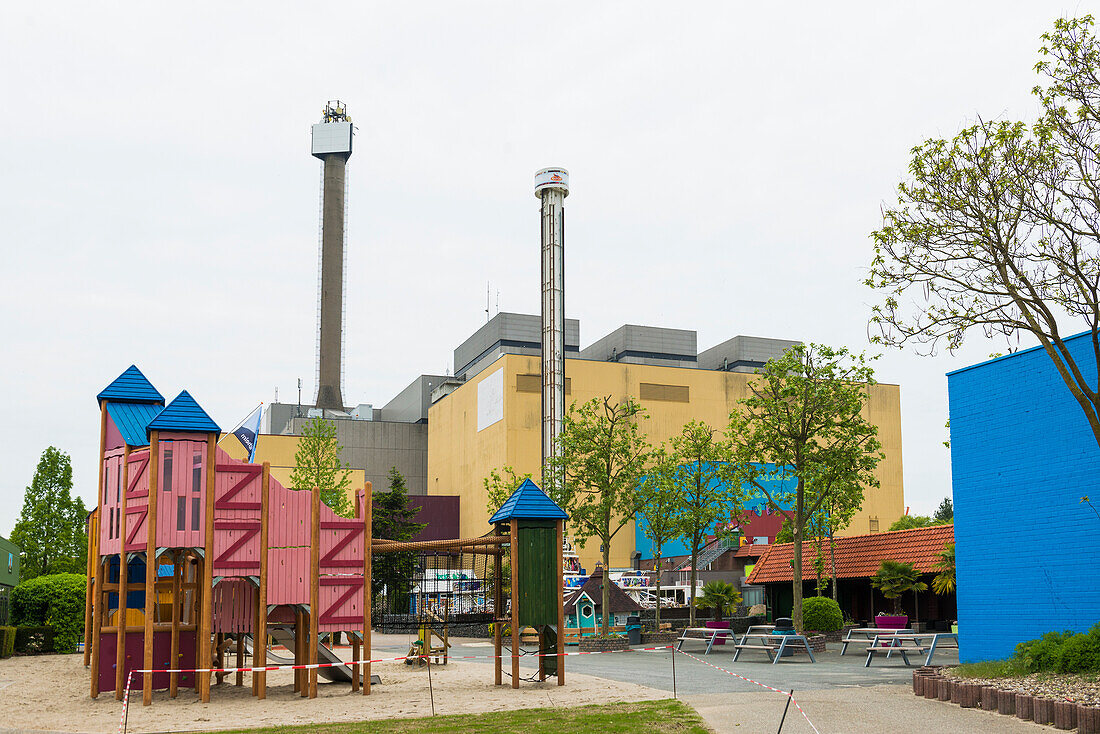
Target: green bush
[(56, 600), (7, 641), (34, 640), (1062, 652), (821, 614)]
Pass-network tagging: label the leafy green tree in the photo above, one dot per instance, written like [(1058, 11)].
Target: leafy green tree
[(944, 582), (695, 471), (911, 522), (996, 230), (659, 506), (894, 578), (945, 513), (803, 422), (721, 596), (499, 486), (603, 458), (52, 528), (317, 463), (394, 518)]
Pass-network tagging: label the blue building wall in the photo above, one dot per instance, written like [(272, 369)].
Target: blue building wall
[(682, 546), (1027, 548)]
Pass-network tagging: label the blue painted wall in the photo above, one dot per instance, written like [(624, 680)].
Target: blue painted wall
[(1027, 548), (682, 546)]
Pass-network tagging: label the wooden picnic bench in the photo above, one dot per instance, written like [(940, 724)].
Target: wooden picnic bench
[(905, 641), (773, 645), (703, 634)]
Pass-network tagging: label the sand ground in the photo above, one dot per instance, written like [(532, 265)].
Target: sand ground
[(50, 693)]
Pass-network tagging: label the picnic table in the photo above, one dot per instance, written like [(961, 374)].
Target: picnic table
[(703, 634), (866, 633), (773, 645), (907, 641)]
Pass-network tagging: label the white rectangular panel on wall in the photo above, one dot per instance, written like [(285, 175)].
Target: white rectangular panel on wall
[(490, 400)]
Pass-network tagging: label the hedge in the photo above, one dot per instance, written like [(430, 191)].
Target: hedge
[(7, 641), (56, 601), (821, 614)]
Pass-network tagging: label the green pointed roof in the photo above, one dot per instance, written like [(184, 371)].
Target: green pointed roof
[(131, 387), (183, 414), (528, 502)]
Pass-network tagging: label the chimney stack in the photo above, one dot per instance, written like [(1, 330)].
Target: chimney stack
[(551, 188)]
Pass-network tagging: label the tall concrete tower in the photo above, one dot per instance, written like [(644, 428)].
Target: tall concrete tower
[(551, 188), (332, 144)]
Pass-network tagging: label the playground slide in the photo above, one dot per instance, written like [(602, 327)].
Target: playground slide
[(285, 637)]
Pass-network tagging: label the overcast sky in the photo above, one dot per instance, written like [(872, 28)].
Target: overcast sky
[(159, 205)]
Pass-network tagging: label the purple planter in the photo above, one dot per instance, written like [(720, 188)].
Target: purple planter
[(884, 621), (723, 625)]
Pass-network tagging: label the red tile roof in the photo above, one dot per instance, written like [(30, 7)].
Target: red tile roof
[(750, 551), (858, 556)]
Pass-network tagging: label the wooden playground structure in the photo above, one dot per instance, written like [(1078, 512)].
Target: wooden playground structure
[(238, 559)]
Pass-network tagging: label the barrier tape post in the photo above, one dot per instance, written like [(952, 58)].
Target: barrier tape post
[(125, 703), (784, 717), (431, 693), (673, 671)]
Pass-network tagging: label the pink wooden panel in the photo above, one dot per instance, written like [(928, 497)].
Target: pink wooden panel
[(236, 547), (341, 603), (341, 542), (137, 501), (288, 517), (110, 524), (234, 606), (287, 576), (113, 436), (176, 485)]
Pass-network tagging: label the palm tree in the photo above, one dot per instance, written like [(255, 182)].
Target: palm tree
[(894, 579), (944, 583), (721, 596)]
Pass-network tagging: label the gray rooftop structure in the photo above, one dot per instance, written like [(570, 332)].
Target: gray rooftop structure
[(654, 345), (743, 353), (508, 333)]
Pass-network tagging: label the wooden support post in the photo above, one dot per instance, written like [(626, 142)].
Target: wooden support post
[(177, 574), (314, 587), (93, 557), (206, 616), (150, 577), (561, 605), (97, 620), (498, 613), (124, 573), (514, 549), (368, 576), (359, 502), (259, 637), (196, 610), (302, 643), (89, 575)]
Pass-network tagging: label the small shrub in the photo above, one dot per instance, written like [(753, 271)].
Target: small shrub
[(7, 641), (1079, 654), (1043, 653), (34, 640), (57, 601), (821, 614)]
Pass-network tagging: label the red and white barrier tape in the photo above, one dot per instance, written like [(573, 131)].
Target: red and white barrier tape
[(756, 683)]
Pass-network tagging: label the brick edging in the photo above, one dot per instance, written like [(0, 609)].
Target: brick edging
[(929, 681)]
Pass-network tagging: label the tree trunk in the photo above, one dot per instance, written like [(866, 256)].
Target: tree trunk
[(796, 582), (832, 557), (694, 571), (605, 588), (657, 613)]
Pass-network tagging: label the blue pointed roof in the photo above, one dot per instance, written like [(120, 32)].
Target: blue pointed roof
[(131, 419), (183, 414), (528, 502), (131, 387)]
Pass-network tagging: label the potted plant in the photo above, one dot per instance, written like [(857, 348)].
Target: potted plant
[(893, 579), (721, 597)]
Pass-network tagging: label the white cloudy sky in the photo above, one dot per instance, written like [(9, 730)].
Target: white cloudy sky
[(159, 206)]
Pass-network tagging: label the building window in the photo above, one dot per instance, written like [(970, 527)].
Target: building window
[(196, 471), (873, 523), (667, 393), (167, 469), (533, 383), (194, 513), (181, 513)]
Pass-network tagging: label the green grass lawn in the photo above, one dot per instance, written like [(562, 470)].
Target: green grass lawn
[(645, 716)]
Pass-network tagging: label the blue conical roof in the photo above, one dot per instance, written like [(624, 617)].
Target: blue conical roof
[(131, 387), (529, 502), (183, 414)]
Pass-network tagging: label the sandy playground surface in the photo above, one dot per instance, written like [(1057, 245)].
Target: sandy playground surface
[(50, 693)]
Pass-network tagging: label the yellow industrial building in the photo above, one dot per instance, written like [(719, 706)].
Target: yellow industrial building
[(493, 420)]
